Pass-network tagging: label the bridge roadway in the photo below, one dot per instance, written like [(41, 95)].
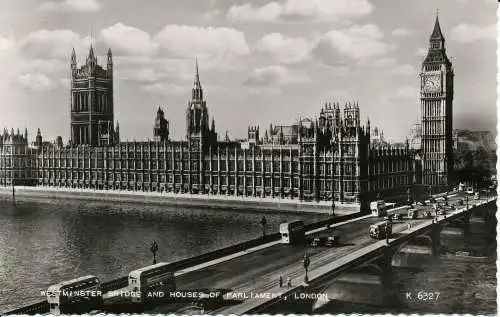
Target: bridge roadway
[(259, 271), (327, 266)]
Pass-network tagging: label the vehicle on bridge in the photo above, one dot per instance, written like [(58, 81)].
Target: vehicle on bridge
[(396, 216), (332, 241), (378, 208), (292, 232), (380, 230), (151, 282), (209, 301), (76, 296), (319, 241), (412, 213), (470, 190)]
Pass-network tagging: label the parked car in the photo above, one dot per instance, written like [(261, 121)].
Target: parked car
[(476, 196), (460, 202), (332, 241)]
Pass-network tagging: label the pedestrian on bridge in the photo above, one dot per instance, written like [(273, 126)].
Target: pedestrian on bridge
[(281, 281), (288, 282)]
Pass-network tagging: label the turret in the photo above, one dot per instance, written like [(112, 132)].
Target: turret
[(73, 62), (38, 140), (110, 60)]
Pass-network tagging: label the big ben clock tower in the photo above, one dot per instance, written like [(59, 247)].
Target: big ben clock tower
[(436, 96)]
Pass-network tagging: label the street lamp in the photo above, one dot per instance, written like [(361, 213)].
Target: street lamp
[(387, 225), (306, 263), (263, 222), (154, 249)]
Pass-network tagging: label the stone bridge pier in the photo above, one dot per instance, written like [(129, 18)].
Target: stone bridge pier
[(454, 233), (369, 283), (418, 250)]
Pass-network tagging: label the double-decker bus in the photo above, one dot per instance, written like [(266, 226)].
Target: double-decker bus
[(75, 296), (151, 282), (378, 208), (292, 232)]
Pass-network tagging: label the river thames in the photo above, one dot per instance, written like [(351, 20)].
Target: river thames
[(44, 242)]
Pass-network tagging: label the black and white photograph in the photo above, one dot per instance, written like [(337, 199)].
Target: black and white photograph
[(248, 157)]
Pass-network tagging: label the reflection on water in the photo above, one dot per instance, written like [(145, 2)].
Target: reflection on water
[(46, 242)]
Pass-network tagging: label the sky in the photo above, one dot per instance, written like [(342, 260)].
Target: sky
[(260, 61)]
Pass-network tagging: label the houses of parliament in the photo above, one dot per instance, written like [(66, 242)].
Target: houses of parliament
[(335, 157)]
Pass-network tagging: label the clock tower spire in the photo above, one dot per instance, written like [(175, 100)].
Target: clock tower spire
[(436, 102)]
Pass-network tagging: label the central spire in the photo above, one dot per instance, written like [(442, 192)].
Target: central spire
[(197, 83)]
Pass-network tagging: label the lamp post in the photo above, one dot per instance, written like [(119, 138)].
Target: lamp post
[(306, 263), (154, 249), (263, 222)]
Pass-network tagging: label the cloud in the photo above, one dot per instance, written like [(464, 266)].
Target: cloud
[(421, 51), (284, 49), (190, 41), (165, 89), (43, 66), (336, 94), (275, 75), (465, 33), (404, 69), (6, 44), (385, 62), (71, 6), (45, 44), (402, 32), (356, 42), (212, 14), (299, 10), (34, 82), (128, 40)]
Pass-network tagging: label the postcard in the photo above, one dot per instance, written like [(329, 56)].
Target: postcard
[(248, 157)]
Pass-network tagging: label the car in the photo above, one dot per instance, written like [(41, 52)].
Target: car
[(440, 212), (319, 241), (432, 200), (332, 241), (396, 217), (209, 301), (460, 202), (421, 203), (476, 196)]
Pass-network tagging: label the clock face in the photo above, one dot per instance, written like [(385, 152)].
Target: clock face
[(432, 83)]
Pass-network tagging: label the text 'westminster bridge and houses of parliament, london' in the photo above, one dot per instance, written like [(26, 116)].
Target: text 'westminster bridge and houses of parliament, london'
[(335, 157)]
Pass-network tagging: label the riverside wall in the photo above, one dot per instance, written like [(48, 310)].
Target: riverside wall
[(181, 200)]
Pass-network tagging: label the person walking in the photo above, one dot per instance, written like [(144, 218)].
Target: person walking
[(288, 282), (281, 281)]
